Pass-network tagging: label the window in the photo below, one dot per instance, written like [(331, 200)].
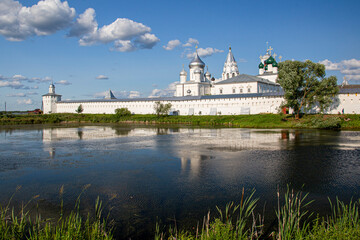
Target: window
[(241, 90), (221, 91), (233, 74), (249, 90), (227, 75), (233, 90)]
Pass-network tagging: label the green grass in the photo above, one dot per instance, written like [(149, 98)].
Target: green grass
[(293, 222), (348, 121), (26, 225)]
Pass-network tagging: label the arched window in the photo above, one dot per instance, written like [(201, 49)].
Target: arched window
[(221, 90), (227, 75), (233, 74)]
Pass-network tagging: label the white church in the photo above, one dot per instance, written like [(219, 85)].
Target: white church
[(197, 93)]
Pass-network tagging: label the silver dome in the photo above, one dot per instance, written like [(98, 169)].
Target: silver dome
[(196, 62)]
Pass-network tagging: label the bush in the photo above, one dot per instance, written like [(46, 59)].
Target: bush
[(122, 112)]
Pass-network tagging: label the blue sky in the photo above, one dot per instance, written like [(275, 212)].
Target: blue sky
[(136, 48)]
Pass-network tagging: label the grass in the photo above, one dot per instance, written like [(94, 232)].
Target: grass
[(347, 121), (293, 222), (235, 221), (26, 225)]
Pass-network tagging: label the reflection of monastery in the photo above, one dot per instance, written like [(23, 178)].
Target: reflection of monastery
[(200, 94)]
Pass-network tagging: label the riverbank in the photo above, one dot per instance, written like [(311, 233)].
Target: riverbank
[(344, 121), (234, 221)]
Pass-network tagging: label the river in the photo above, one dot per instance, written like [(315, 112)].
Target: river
[(145, 174)]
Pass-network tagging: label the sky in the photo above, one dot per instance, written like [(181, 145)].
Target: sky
[(137, 48)]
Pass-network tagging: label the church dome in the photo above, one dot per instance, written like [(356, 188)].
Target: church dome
[(207, 73), (270, 60), (275, 64), (261, 65), (197, 71), (196, 62), (183, 73)]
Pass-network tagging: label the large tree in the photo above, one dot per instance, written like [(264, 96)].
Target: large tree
[(305, 85)]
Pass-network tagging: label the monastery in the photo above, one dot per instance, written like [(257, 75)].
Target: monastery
[(200, 94)]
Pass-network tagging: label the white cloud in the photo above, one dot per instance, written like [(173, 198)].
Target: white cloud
[(19, 77), (134, 94), (167, 92), (63, 82), (85, 24), (103, 77), (22, 94), (18, 22), (25, 101), (204, 52), (172, 44), (330, 65), (126, 34), (118, 94), (350, 68), (11, 84), (17, 95), (190, 42)]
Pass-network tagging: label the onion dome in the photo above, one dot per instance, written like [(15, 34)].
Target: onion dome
[(183, 73), (207, 74), (275, 64), (196, 62), (270, 60), (261, 65)]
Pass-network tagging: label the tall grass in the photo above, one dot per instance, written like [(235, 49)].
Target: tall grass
[(292, 222), (25, 225)]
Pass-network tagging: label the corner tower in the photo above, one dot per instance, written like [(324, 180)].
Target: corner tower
[(50, 99)]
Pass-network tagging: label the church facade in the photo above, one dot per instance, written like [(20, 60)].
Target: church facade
[(197, 93)]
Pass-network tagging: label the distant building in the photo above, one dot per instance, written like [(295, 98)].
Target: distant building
[(200, 94)]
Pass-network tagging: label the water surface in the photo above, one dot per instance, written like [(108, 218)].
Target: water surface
[(147, 173)]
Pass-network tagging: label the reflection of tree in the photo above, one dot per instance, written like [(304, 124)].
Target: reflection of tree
[(122, 131), (162, 131), (80, 133)]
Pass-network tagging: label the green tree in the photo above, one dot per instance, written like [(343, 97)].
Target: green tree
[(80, 109), (161, 109), (305, 86), (122, 112)]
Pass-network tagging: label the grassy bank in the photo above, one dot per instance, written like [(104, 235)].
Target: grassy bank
[(347, 121), (234, 221), (293, 221)]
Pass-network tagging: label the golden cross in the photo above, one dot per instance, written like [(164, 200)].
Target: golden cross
[(270, 49)]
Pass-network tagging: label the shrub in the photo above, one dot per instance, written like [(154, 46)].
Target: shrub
[(122, 112)]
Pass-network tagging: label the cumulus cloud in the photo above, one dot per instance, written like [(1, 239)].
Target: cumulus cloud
[(172, 44), (18, 22), (102, 77), (126, 34), (204, 52), (350, 68), (167, 92), (25, 101), (63, 82), (118, 94), (190, 42)]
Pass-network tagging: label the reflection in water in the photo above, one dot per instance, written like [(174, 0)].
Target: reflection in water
[(147, 172)]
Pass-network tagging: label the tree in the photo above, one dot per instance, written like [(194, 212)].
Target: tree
[(80, 109), (161, 109), (305, 85), (122, 112)]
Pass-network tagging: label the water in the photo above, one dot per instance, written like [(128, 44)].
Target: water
[(149, 174)]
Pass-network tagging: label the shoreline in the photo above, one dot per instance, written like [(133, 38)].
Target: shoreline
[(261, 121)]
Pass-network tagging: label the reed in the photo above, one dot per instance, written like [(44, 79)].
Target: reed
[(24, 225)]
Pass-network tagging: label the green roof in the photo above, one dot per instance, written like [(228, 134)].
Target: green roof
[(270, 60), (261, 65)]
